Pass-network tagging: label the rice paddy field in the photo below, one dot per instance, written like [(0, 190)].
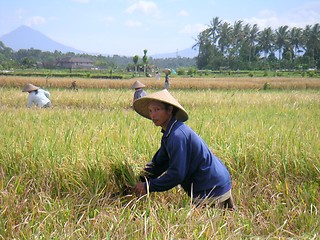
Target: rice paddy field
[(62, 170)]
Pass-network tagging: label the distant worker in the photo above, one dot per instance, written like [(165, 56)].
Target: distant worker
[(166, 81), (37, 96), (157, 76), (74, 86), (139, 92)]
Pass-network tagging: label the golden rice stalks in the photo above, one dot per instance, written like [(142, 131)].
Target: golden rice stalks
[(124, 175)]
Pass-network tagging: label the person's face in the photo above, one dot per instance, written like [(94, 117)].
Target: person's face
[(159, 114)]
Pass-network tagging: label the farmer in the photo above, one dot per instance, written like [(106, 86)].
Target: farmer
[(183, 157), (74, 86), (139, 92), (37, 96), (166, 79), (157, 76)]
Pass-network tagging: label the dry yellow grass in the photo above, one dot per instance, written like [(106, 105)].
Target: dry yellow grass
[(56, 179), (175, 82)]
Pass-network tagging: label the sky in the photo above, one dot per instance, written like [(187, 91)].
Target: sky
[(128, 27)]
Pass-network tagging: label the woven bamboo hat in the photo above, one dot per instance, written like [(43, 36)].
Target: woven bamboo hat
[(141, 105), (138, 84), (29, 88)]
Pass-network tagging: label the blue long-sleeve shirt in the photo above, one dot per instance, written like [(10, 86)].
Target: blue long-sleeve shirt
[(185, 159), (138, 94)]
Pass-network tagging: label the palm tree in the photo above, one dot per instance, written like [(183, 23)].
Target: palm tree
[(135, 61), (145, 60), (224, 41), (253, 39), (205, 50), (237, 36), (202, 38), (266, 41), (295, 38), (312, 34), (281, 39), (213, 29), (249, 42)]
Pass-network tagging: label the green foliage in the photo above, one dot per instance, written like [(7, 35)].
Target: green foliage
[(266, 86), (35, 58), (135, 59), (181, 71), (311, 73), (191, 71), (108, 74), (246, 47)]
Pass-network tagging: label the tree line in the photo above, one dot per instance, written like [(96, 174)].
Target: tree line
[(244, 46), (33, 58)]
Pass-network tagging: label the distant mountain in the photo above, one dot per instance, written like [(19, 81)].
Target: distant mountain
[(188, 53), (25, 38)]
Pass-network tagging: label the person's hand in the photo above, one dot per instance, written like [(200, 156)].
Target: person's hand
[(139, 189)]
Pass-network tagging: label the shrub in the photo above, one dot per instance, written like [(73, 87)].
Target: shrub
[(266, 86), (181, 71)]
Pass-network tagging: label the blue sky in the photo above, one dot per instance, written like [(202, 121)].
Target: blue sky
[(127, 27)]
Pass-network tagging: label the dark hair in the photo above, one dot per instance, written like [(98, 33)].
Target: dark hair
[(174, 110)]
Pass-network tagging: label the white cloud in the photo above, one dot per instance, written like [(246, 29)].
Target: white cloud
[(193, 29), (183, 13), (146, 7), (265, 18), (308, 14), (132, 23), (35, 21), (262, 23)]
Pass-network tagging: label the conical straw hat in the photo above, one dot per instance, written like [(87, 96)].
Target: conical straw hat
[(141, 105), (138, 84), (29, 88)]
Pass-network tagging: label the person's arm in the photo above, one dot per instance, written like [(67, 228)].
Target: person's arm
[(177, 169), (158, 165)]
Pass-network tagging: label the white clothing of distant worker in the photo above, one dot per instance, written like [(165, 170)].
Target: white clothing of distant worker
[(157, 76), (37, 96)]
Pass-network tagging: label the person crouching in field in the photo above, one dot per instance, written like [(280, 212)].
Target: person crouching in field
[(37, 96), (183, 157), (74, 86), (139, 92)]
